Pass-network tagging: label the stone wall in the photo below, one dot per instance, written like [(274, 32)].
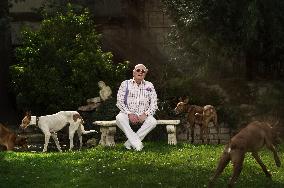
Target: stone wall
[(157, 23), (136, 33), (26, 6), (224, 134), (23, 14)]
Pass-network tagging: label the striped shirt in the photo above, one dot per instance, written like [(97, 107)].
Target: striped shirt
[(141, 98)]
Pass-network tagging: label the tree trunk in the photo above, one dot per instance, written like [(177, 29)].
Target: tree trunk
[(250, 67), (7, 112)]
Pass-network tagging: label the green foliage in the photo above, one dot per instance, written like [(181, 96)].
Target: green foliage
[(269, 99), (211, 36), (219, 41), (225, 97), (61, 63), (199, 91), (157, 165), (231, 115)]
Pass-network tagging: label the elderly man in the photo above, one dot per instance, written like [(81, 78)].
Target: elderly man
[(137, 101)]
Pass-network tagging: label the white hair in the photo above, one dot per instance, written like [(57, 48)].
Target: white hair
[(138, 65)]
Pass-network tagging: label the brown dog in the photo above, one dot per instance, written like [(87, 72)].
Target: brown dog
[(198, 115), (250, 139), (10, 139)]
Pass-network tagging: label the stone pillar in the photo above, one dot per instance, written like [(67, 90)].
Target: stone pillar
[(110, 136), (107, 136), (172, 138), (104, 131)]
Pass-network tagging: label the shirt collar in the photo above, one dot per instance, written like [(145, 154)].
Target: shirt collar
[(142, 82)]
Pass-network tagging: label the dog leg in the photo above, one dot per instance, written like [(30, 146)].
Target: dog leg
[(271, 147), (201, 137), (237, 157), (207, 135), (206, 132), (79, 132), (54, 136), (71, 136), (223, 162), (46, 138), (72, 130), (187, 133), (259, 161), (192, 132), (10, 147)]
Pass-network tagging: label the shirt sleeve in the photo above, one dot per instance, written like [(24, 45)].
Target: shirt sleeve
[(121, 97), (153, 101)]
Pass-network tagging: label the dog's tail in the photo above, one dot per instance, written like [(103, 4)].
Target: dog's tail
[(87, 132)]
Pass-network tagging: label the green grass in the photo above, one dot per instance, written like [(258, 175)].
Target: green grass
[(157, 165)]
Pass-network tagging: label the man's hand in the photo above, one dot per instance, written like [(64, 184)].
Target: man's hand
[(133, 118), (142, 117)]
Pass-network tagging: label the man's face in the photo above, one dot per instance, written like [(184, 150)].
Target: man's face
[(139, 73)]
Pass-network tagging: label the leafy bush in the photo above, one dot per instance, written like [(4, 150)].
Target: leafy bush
[(200, 92), (61, 63), (269, 98)]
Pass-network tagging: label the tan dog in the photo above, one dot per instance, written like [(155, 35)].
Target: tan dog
[(201, 116), (250, 139), (10, 139)]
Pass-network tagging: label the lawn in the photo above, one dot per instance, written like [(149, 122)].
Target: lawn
[(157, 165)]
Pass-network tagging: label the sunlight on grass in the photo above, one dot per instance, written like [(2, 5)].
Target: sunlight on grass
[(158, 165)]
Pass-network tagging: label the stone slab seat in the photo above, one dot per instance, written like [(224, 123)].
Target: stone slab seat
[(108, 130)]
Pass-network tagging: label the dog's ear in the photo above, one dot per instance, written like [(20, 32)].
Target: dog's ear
[(198, 115), (78, 117), (29, 114), (186, 100), (180, 99)]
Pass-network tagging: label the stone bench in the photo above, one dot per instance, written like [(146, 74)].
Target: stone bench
[(108, 130)]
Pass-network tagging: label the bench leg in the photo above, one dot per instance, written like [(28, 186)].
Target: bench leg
[(104, 131), (107, 136), (172, 138), (110, 136)]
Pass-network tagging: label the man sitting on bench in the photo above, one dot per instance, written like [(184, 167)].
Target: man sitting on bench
[(137, 101)]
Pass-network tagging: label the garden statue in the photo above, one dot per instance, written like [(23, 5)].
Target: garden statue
[(93, 103)]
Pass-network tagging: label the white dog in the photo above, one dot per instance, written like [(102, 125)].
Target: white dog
[(50, 124)]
